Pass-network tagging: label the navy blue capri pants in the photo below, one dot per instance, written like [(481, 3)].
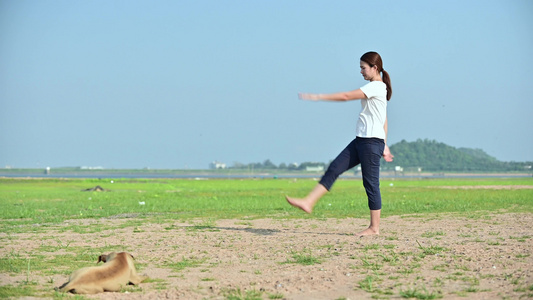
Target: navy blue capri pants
[(368, 153)]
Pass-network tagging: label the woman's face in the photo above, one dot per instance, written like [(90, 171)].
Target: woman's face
[(368, 72)]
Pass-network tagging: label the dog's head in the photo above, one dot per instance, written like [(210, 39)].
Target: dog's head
[(102, 258), (108, 257)]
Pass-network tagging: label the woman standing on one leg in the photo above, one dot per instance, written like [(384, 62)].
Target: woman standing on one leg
[(369, 145)]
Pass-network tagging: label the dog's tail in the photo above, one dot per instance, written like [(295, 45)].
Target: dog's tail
[(64, 288)]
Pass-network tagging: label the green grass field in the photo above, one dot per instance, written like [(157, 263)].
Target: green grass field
[(52, 201), (25, 203)]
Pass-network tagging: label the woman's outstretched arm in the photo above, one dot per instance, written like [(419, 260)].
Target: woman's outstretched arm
[(342, 96)]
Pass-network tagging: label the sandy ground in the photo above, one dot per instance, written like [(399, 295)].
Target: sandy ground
[(454, 256)]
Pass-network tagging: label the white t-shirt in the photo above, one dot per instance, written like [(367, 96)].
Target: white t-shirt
[(373, 111)]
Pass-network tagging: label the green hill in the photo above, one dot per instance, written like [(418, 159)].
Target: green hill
[(430, 155)]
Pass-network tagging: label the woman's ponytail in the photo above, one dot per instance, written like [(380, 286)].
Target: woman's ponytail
[(386, 80)]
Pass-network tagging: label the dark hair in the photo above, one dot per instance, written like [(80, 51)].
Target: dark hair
[(373, 59)]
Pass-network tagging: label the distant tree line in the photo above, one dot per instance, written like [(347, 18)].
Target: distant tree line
[(425, 155), (269, 165), (430, 155)]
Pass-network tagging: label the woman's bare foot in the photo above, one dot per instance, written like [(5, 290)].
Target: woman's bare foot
[(306, 204), (300, 203), (373, 229), (368, 231)]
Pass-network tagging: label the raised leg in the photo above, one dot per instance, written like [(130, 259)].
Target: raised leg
[(306, 204)]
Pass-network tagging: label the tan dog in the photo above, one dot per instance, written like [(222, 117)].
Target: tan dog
[(116, 272)]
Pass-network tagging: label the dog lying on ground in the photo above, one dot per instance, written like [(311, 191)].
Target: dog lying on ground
[(117, 271)]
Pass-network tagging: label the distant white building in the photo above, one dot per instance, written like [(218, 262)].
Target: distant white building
[(398, 170), (217, 165), (91, 168), (314, 168)]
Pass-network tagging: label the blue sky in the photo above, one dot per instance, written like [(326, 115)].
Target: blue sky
[(178, 84)]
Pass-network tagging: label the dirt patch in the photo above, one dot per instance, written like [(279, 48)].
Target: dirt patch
[(453, 256)]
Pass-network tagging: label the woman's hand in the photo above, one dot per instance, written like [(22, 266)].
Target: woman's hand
[(387, 155), (312, 97)]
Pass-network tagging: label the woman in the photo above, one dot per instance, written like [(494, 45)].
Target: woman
[(369, 145)]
